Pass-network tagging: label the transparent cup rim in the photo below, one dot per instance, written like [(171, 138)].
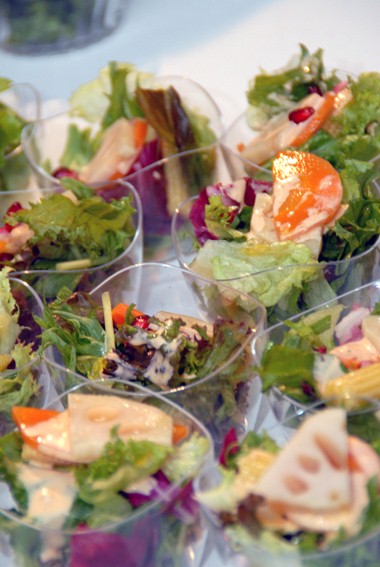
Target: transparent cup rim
[(141, 511), (138, 234)]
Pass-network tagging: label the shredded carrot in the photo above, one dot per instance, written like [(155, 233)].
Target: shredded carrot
[(240, 147), (3, 245), (179, 432), (119, 313), (140, 129), (25, 417)]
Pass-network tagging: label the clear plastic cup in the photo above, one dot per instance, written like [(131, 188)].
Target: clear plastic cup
[(162, 182), (285, 290), (220, 397), (256, 547), (156, 530), (47, 282), (284, 403)]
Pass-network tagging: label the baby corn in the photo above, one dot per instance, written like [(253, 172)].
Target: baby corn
[(361, 383)]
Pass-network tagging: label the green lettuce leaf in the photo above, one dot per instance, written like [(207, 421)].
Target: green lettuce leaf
[(269, 94), (261, 264), (90, 228)]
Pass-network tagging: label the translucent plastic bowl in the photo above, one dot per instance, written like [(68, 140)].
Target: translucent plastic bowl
[(164, 529), (365, 296), (224, 395), (48, 282), (32, 27), (44, 149), (16, 172), (251, 551), (274, 286), (29, 383)]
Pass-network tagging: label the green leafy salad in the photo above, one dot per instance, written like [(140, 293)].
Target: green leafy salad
[(104, 474), (75, 229), (332, 353), (132, 123), (304, 106), (312, 500)]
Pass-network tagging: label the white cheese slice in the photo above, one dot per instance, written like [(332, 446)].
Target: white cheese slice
[(311, 472), (93, 417), (371, 330)]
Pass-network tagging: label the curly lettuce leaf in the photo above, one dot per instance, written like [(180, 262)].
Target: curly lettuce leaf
[(89, 228)]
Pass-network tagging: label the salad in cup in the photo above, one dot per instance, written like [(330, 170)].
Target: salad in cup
[(169, 330), (122, 123), (305, 492), (72, 236), (102, 478), (304, 106), (292, 242), (329, 353)]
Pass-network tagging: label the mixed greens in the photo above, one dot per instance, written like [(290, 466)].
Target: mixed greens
[(309, 498), (133, 123), (100, 472), (332, 353), (70, 230), (241, 230), (308, 107)]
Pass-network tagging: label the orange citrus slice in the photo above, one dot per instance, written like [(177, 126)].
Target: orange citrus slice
[(307, 193), (25, 417)]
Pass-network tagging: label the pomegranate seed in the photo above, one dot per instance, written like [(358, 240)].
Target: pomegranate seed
[(141, 321), (301, 114), (64, 172), (314, 88), (16, 206)]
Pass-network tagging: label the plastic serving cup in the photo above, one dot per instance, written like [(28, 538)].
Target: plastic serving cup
[(228, 551), (16, 172), (48, 282), (162, 183), (325, 279), (283, 404), (29, 383), (164, 529), (222, 397)]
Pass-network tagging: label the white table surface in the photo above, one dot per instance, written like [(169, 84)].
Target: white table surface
[(219, 43)]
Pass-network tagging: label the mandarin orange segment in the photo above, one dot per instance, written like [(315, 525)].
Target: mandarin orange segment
[(316, 120), (307, 193)]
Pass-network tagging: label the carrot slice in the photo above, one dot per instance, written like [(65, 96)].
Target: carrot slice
[(307, 193), (179, 432), (25, 417), (140, 129), (119, 313), (315, 122)]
